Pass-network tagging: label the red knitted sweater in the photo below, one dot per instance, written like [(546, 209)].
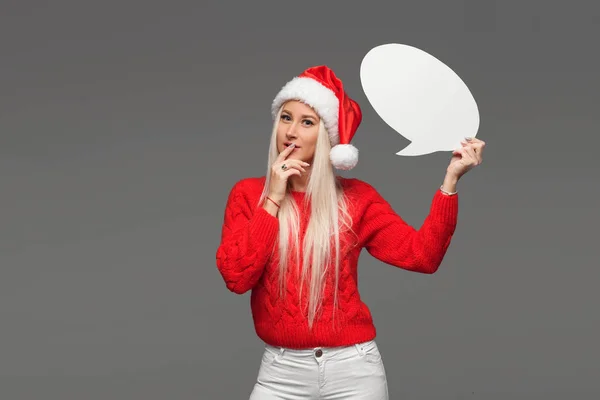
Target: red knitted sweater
[(246, 259)]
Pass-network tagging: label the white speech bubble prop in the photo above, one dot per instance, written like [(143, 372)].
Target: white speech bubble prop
[(419, 97)]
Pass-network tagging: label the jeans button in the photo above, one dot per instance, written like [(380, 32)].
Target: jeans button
[(319, 353)]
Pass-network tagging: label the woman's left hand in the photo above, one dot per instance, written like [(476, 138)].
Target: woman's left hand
[(467, 157)]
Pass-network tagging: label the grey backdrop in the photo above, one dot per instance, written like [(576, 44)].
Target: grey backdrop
[(124, 124)]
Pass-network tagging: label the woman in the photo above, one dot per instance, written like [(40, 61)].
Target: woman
[(293, 237)]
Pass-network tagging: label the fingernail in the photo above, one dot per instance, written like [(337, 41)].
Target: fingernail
[(468, 138), (292, 145)]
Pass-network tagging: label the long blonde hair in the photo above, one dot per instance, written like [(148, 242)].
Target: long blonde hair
[(329, 217)]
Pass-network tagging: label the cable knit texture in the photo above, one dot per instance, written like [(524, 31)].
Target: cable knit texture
[(247, 260)]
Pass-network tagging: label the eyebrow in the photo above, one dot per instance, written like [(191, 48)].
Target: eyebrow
[(302, 116)]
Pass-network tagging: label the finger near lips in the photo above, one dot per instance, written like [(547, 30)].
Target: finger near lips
[(293, 161), (283, 154), (292, 164), (292, 171)]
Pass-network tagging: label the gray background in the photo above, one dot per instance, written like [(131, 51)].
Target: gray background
[(125, 124)]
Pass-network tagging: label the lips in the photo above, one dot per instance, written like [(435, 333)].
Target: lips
[(287, 144)]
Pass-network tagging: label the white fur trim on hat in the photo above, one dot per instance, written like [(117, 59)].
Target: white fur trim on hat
[(320, 98), (344, 156)]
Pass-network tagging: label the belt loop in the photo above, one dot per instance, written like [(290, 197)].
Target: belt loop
[(359, 349)]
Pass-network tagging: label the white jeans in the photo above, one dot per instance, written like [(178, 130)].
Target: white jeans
[(324, 373)]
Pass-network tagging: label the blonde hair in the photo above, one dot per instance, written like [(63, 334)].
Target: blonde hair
[(329, 218)]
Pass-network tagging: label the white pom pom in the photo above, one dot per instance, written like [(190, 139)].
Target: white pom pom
[(344, 156)]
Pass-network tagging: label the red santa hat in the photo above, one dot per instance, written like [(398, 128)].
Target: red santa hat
[(319, 88)]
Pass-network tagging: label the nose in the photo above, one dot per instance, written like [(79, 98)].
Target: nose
[(291, 133)]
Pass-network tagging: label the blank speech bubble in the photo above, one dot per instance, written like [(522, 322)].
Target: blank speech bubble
[(420, 97)]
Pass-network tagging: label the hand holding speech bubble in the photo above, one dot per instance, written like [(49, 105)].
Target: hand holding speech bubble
[(419, 97)]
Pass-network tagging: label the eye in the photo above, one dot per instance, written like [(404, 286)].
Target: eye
[(309, 121), (284, 117)]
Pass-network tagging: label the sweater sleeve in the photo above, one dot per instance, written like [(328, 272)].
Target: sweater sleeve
[(247, 240), (387, 237)]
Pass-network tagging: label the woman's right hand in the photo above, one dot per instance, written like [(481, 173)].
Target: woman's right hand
[(279, 176)]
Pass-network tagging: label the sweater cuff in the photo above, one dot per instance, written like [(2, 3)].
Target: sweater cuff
[(264, 227), (444, 208)]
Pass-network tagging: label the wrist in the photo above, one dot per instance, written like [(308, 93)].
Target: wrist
[(271, 206), (450, 183), (276, 197)]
